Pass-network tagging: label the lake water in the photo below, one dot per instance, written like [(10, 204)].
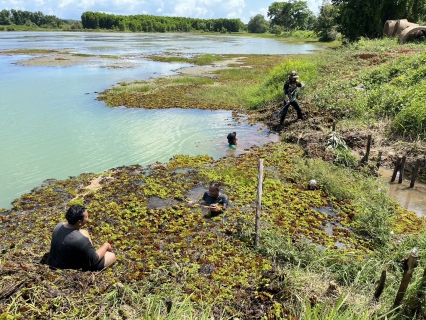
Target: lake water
[(52, 126)]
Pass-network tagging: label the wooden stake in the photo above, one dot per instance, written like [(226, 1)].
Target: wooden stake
[(409, 265), (401, 169), (415, 173), (380, 286), (379, 159), (259, 203), (169, 303), (333, 128), (367, 152), (395, 171)]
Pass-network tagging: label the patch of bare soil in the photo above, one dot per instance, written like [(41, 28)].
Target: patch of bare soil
[(66, 59)]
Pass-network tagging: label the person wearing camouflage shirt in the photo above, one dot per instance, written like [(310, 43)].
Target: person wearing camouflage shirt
[(290, 87)]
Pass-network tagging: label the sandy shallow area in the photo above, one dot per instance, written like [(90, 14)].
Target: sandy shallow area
[(66, 59)]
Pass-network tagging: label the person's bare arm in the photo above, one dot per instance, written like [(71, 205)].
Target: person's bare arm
[(103, 249)]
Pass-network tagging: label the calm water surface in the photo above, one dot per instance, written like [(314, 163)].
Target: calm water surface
[(52, 126)]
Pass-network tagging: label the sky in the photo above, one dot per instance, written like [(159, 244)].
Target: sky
[(204, 9)]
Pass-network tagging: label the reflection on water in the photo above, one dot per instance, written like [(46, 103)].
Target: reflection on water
[(411, 199)]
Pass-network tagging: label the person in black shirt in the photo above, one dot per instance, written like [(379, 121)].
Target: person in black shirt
[(72, 248), (290, 87), (216, 200)]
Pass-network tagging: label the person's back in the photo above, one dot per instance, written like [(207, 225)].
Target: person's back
[(70, 249)]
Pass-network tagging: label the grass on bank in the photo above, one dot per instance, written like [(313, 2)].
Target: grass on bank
[(204, 59), (209, 266)]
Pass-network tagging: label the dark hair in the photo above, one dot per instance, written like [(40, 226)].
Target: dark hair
[(75, 213), (231, 137), (215, 185)]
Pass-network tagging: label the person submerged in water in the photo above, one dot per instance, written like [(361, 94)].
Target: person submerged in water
[(232, 140), (214, 200)]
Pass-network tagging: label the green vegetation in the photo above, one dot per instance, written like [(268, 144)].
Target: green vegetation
[(150, 23), (30, 20), (321, 250), (365, 18), (31, 51), (204, 59), (291, 15)]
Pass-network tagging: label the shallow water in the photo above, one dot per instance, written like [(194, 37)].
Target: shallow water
[(52, 126), (411, 199)]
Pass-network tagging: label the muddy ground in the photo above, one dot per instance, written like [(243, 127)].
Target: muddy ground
[(313, 132)]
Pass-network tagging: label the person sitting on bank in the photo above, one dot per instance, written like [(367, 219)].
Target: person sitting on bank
[(232, 140), (72, 248)]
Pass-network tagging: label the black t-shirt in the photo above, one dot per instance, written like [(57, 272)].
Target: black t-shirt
[(222, 199), (70, 249)]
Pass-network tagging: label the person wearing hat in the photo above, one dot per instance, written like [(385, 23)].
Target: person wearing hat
[(232, 140), (290, 87)]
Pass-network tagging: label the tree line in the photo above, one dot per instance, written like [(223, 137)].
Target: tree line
[(353, 19), (150, 23), (19, 17)]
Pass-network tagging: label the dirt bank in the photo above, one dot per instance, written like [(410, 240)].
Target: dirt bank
[(313, 132)]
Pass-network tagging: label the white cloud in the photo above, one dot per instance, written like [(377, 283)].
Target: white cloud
[(204, 9)]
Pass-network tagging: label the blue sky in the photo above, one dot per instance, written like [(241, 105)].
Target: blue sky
[(205, 9)]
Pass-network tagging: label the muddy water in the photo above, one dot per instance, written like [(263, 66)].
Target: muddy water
[(411, 199)]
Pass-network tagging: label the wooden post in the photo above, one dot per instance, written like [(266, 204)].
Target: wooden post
[(367, 152), (409, 264), (401, 169), (333, 128), (169, 303), (415, 173), (379, 159), (380, 286), (259, 203), (395, 171)]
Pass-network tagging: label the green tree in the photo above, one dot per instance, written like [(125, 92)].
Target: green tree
[(5, 17), (365, 18), (325, 25), (258, 24), (76, 25), (292, 15), (360, 18)]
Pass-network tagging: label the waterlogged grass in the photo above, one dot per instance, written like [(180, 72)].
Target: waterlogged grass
[(107, 56), (227, 89), (201, 60), (207, 267), (30, 51), (82, 55)]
